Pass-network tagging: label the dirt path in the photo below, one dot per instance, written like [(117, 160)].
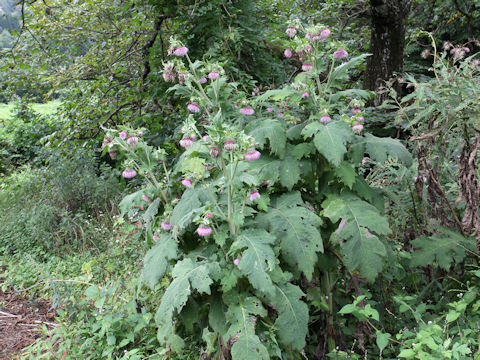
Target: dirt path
[(20, 321)]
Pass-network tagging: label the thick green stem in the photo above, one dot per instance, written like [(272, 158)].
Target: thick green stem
[(327, 289), (231, 225)]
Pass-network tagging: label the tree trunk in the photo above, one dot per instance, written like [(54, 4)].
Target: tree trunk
[(387, 42)]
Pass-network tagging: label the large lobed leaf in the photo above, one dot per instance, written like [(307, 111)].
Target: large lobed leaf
[(362, 250), (380, 148), (297, 229), (270, 129), (257, 259), (445, 247), (242, 314), (187, 275), (188, 207), (330, 139), (156, 260), (292, 321)]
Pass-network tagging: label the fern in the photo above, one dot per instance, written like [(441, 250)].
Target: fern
[(297, 229), (362, 250)]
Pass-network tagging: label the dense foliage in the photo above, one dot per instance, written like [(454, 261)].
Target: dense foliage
[(216, 185)]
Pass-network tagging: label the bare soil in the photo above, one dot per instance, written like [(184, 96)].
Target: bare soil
[(20, 322)]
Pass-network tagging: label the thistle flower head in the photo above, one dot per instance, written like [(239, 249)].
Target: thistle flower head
[(186, 143), (123, 134), (252, 156), (325, 119), (269, 109), (308, 49), (128, 173), (357, 128), (204, 231), (193, 108), (214, 75), (324, 34), (214, 152), (229, 145), (340, 54), (307, 67), (287, 53), (146, 198), (187, 182), (305, 94), (236, 261), (180, 51), (291, 31), (169, 76), (132, 140), (166, 226), (254, 196), (247, 111)]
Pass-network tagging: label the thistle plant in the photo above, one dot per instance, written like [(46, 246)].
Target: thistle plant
[(263, 201)]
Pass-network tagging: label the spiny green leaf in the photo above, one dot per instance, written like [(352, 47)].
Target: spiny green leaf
[(129, 200), (346, 173), (292, 321), (186, 275), (258, 258), (362, 250), (302, 150), (188, 206), (242, 314), (270, 129), (380, 148), (330, 139), (289, 172), (445, 247), (152, 210), (156, 260), (297, 229)]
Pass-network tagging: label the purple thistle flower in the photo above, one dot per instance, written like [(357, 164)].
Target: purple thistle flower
[(193, 108), (325, 119), (305, 94), (269, 109), (203, 80), (361, 118), (247, 111), (140, 133), (186, 143), (166, 226), (204, 231), (280, 115), (356, 110), (324, 34), (291, 31), (229, 145), (156, 237), (123, 135), (132, 140), (340, 54), (128, 174), (357, 128), (187, 182), (181, 51), (287, 53), (146, 198), (252, 156), (308, 49), (307, 67), (254, 196), (213, 75), (308, 36), (214, 152), (208, 215), (236, 261), (169, 76)]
